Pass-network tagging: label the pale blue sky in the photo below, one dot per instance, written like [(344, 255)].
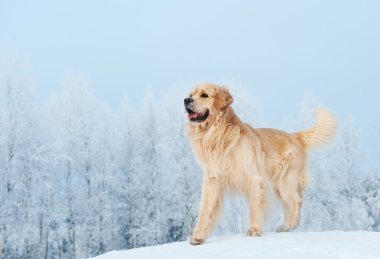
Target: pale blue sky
[(280, 50)]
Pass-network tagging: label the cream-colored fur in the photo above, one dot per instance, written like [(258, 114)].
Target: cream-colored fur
[(235, 156)]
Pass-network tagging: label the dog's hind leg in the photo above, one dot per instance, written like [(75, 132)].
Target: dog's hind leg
[(291, 200)]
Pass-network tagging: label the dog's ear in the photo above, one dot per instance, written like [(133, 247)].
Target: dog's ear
[(222, 98)]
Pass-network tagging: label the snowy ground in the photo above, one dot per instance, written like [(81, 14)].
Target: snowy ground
[(344, 245)]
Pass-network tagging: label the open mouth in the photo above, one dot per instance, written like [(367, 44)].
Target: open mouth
[(196, 117)]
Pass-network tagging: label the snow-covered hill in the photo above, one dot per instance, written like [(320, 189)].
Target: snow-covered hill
[(343, 245)]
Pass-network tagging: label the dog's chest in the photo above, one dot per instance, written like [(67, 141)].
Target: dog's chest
[(215, 154)]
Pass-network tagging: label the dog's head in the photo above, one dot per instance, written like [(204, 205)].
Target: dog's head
[(205, 101)]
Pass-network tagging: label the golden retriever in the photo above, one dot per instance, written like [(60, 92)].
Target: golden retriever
[(235, 156)]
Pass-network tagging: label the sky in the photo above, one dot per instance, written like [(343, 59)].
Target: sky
[(279, 50)]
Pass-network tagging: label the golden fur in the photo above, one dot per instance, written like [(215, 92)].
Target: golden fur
[(235, 156)]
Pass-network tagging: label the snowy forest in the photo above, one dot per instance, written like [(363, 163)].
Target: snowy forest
[(79, 178)]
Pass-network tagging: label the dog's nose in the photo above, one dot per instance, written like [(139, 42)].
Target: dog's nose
[(188, 100)]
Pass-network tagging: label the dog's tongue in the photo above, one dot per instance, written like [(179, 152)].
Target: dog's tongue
[(192, 115)]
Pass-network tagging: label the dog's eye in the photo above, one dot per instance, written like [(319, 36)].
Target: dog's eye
[(204, 95)]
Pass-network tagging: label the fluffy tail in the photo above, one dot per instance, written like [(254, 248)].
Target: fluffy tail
[(322, 133)]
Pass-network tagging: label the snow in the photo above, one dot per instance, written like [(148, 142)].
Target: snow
[(335, 244)]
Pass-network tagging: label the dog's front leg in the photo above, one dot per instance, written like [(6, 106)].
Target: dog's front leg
[(211, 202), (256, 200)]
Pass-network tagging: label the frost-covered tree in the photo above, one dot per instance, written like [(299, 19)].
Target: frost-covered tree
[(371, 196), (150, 178), (126, 192), (18, 147), (349, 164), (81, 144)]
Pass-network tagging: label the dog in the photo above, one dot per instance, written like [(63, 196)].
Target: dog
[(235, 156)]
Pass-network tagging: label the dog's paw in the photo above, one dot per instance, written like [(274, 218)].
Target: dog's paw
[(197, 240), (254, 232), (284, 228)]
